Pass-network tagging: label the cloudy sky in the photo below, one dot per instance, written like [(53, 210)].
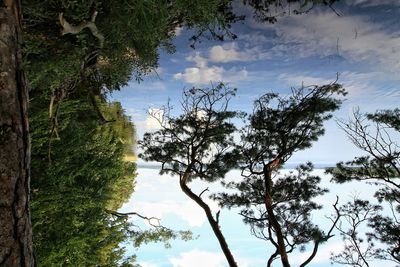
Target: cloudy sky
[(362, 46)]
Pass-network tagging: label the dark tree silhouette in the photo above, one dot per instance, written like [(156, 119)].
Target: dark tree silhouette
[(270, 10), (196, 145), (376, 135), (354, 215), (278, 207)]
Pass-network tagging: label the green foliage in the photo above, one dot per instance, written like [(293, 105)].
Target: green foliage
[(278, 207), (292, 195), (80, 181), (86, 175), (85, 147), (159, 234), (198, 140), (280, 126), (133, 31), (390, 118), (199, 144), (121, 125)]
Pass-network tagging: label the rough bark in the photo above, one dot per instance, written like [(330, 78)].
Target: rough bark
[(271, 216), (15, 225), (213, 222)]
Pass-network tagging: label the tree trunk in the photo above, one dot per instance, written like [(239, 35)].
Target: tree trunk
[(272, 218), (213, 223), (15, 225)]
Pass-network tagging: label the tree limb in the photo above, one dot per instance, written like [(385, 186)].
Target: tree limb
[(75, 29)]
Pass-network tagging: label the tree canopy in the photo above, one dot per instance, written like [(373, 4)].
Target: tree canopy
[(78, 176), (376, 135), (199, 144), (278, 207), (196, 144)]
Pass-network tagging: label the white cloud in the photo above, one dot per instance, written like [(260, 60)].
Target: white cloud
[(147, 264), (323, 255), (206, 75), (200, 258), (355, 38), (231, 52), (200, 61), (220, 54), (153, 119), (303, 80), (211, 74), (372, 2), (202, 75), (178, 31), (167, 198)]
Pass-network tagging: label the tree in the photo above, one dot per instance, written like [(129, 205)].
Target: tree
[(196, 145), (376, 134), (278, 207), (55, 66), (81, 182), (353, 216), (79, 175), (132, 33), (15, 224)]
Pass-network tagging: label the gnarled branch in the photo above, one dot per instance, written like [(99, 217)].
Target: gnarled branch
[(75, 29)]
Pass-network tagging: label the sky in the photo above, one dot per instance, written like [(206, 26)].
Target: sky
[(160, 196), (361, 46)]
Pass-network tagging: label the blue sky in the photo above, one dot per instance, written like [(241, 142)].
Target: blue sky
[(362, 45), (161, 197)]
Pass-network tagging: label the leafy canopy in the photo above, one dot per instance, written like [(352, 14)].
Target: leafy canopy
[(278, 207), (198, 140)]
